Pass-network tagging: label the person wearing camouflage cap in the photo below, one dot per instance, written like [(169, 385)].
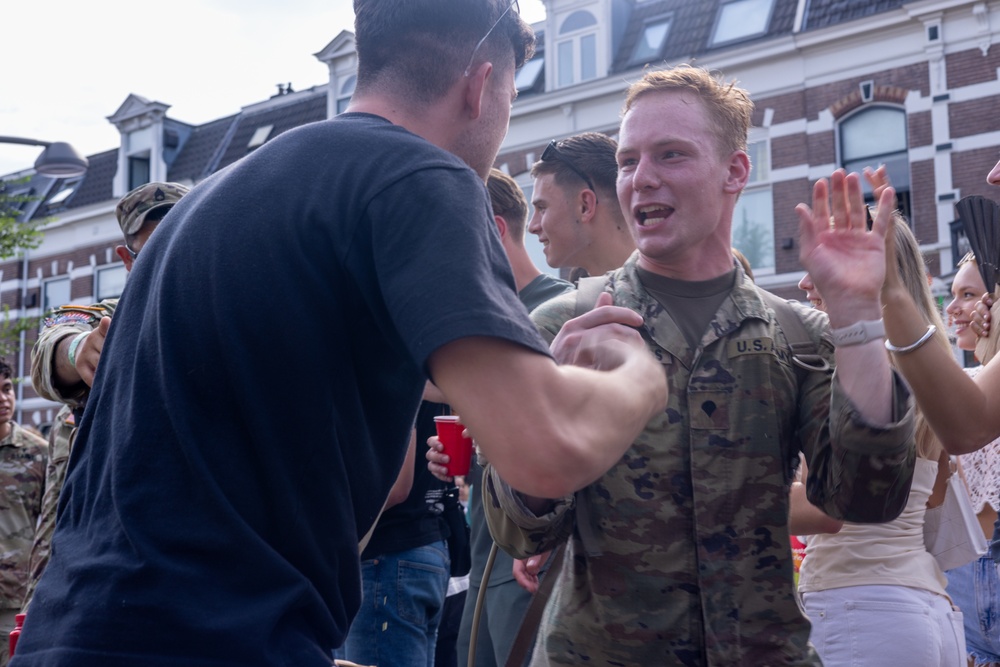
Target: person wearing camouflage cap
[(22, 480), (140, 210), (65, 357)]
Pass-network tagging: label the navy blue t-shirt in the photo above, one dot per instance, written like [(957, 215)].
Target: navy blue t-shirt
[(254, 400)]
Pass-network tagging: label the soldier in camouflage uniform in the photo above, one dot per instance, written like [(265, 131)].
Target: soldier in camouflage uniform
[(679, 554), (64, 359), (22, 481)]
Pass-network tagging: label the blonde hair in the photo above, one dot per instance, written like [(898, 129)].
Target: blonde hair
[(729, 107), (913, 272)]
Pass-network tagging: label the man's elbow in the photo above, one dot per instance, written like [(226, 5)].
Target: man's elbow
[(553, 468)]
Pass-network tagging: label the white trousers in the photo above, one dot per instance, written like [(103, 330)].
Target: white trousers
[(861, 626)]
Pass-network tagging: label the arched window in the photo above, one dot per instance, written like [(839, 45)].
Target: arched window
[(576, 49), (873, 136), (346, 90)]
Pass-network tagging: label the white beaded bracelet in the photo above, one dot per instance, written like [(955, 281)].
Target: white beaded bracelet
[(910, 348)]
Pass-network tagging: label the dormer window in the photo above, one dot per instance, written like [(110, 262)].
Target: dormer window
[(260, 135), (741, 19), (650, 45), (63, 194), (345, 92), (576, 49), (138, 171), (527, 76)]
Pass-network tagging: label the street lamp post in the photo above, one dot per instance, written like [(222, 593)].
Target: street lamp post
[(59, 159)]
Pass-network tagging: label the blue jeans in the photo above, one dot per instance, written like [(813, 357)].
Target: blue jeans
[(975, 589), (402, 598)]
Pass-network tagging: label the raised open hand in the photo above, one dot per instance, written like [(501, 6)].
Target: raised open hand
[(845, 260)]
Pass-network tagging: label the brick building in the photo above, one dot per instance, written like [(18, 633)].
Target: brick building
[(836, 83)]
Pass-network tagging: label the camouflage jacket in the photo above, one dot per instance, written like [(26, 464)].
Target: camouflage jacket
[(22, 481), (679, 555), (64, 321), (60, 442)]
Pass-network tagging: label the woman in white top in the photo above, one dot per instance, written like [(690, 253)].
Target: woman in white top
[(975, 587), (873, 593)]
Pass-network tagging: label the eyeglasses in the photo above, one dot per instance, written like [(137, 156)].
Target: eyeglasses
[(551, 152), (132, 253), (489, 32)]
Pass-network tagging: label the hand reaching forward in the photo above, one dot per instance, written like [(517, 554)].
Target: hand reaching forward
[(592, 340), (845, 260)]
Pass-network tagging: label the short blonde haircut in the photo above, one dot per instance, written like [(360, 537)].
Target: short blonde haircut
[(730, 107)]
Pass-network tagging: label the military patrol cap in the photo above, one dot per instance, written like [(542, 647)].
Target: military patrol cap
[(133, 208)]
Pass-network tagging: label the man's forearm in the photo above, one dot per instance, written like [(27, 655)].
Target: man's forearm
[(549, 430), (863, 369), (65, 376), (866, 379)]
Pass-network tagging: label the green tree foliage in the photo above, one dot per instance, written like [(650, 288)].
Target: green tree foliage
[(15, 237)]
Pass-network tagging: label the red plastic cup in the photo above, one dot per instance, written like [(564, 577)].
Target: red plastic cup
[(459, 449)]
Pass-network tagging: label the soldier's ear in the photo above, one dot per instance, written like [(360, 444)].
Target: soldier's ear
[(125, 256)]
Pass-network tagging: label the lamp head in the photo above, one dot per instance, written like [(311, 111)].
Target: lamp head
[(61, 160)]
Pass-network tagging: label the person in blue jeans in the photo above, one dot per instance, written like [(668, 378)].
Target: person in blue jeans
[(975, 587), (404, 573)]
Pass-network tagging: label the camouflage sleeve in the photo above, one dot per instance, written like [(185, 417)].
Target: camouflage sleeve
[(551, 315), (62, 322), (60, 443), (515, 528), (860, 472)]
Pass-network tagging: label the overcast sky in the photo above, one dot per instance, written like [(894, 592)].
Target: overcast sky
[(68, 65)]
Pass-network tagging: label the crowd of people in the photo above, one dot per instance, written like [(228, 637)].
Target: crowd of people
[(648, 441)]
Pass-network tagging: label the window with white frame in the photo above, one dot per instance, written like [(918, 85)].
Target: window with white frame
[(873, 136), (55, 293), (753, 217), (651, 41), (109, 281), (760, 161), (576, 49), (344, 95), (138, 171), (741, 19)]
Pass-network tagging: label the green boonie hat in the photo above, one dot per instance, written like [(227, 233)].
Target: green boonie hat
[(133, 208)]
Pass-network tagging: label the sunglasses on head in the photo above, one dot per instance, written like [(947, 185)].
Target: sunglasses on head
[(472, 59), (552, 152)]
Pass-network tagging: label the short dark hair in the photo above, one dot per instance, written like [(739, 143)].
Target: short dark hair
[(508, 202), (154, 216), (419, 48), (592, 153), (5, 370)]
